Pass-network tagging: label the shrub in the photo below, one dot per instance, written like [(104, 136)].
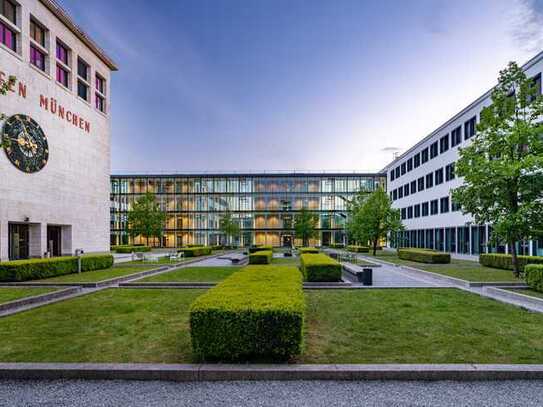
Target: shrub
[(254, 249), (261, 257), (337, 246), (504, 261), (130, 249), (257, 313), (533, 274), (320, 267), (312, 250), (196, 251), (358, 249), (424, 256), (35, 269)]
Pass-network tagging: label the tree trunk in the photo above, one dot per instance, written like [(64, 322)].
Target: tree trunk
[(374, 247), (514, 258)]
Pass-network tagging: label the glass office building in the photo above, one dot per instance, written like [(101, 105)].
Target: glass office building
[(264, 204)]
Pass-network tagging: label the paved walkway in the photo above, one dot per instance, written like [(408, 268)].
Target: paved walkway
[(276, 394)]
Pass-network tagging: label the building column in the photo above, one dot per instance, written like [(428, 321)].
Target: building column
[(4, 241), (37, 240)]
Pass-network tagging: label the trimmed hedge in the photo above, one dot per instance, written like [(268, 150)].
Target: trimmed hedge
[(533, 274), (312, 250), (35, 269), (196, 251), (320, 267), (255, 314), (358, 249), (130, 249), (504, 261), (261, 257), (424, 256), (254, 249)]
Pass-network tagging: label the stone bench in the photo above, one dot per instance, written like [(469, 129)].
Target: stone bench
[(235, 258), (363, 274)]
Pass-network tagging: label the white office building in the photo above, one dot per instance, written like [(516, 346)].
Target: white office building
[(421, 180)]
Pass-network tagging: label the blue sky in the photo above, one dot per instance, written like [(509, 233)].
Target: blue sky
[(216, 85)]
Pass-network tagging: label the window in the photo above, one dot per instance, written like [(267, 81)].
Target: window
[(449, 172), (469, 128), (8, 10), (410, 164), (100, 93), (397, 172), (444, 204), (443, 144), (429, 180), (83, 69), (403, 212), (410, 212), (456, 136), (406, 190), (439, 176), (395, 194), (425, 209), (8, 37), (403, 169), (433, 207), (37, 33), (63, 75), (400, 193), (424, 155), (392, 175), (417, 210), (63, 53), (416, 160), (37, 58), (420, 183), (82, 79), (413, 187), (433, 150), (455, 207), (536, 82)]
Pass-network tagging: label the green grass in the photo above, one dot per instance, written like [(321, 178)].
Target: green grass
[(418, 326), (161, 260), (194, 274), (527, 291), (286, 261), (114, 325), (462, 269), (8, 294), (98, 275)]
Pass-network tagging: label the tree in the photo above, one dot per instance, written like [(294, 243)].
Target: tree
[(305, 224), (372, 218), (146, 219), (503, 166), (229, 226)]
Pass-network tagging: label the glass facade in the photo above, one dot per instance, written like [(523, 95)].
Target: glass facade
[(264, 205)]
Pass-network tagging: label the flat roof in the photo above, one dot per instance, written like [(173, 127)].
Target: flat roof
[(54, 7), (217, 174), (480, 99)]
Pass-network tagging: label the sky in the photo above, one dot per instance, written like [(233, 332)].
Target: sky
[(254, 85)]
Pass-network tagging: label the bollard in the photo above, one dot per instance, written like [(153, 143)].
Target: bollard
[(367, 276)]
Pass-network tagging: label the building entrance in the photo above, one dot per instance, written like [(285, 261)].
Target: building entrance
[(18, 241), (287, 241), (54, 240)]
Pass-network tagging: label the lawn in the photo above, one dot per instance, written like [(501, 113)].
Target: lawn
[(527, 291), (193, 274), (462, 269), (286, 261), (97, 275), (113, 325), (8, 294), (418, 326)]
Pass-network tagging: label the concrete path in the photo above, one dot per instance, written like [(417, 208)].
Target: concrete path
[(273, 394)]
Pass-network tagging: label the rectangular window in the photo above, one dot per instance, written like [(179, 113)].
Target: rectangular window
[(417, 210), (82, 90), (397, 172), (403, 168), (413, 187), (395, 194), (400, 193), (430, 180), (63, 76), (100, 93), (424, 155), (100, 84), (37, 58), (433, 150), (8, 10), (403, 213), (536, 83), (83, 69), (444, 204), (449, 172), (83, 76), (37, 33), (443, 144), (439, 176), (100, 103), (416, 160), (406, 190), (433, 207), (469, 128), (8, 37), (456, 136), (63, 53), (409, 164), (425, 209), (410, 212), (392, 175), (455, 207), (420, 184)]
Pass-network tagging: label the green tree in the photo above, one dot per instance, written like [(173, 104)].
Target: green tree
[(305, 225), (372, 218), (229, 226), (146, 219), (503, 166)]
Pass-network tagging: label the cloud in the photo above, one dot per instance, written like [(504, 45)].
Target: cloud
[(527, 25)]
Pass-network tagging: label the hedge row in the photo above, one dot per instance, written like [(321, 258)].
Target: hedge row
[(196, 251), (320, 267), (336, 246), (358, 249), (35, 269), (254, 249), (257, 313), (533, 274), (261, 257), (504, 261), (312, 250), (130, 249), (424, 256)]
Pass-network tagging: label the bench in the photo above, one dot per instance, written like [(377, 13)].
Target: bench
[(363, 274), (235, 258)]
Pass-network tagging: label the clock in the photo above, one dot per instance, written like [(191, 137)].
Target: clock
[(25, 143)]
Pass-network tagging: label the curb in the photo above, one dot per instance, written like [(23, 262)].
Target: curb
[(514, 296), (168, 285), (8, 306), (209, 372)]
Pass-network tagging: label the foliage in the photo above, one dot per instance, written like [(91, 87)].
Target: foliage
[(34, 269), (505, 261), (358, 249), (196, 251), (320, 268), (257, 313), (305, 224), (146, 219), (229, 226), (503, 166), (534, 276), (372, 218), (255, 249), (313, 250), (261, 257), (424, 256), (130, 249)]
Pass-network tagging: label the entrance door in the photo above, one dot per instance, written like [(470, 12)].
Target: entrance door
[(54, 240), (287, 241), (18, 241)]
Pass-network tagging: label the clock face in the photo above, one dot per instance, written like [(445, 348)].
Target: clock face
[(25, 143)]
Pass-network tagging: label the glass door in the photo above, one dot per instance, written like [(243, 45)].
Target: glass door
[(18, 241)]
